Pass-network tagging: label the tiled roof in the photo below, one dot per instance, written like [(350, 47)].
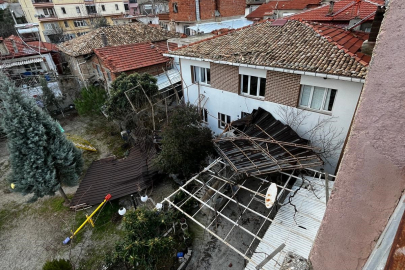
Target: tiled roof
[(296, 46), (133, 56), (116, 35), (23, 49), (350, 41), (44, 45), (267, 9), (319, 14)]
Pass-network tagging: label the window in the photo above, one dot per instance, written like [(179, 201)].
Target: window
[(48, 11), (81, 33), (78, 10), (204, 115), (80, 23), (109, 76), (33, 67), (116, 7), (186, 30), (45, 11), (133, 1), (91, 9), (201, 75), (223, 120), (103, 7), (69, 36), (175, 8), (317, 98), (252, 86), (63, 10), (126, 7), (66, 24), (244, 114)]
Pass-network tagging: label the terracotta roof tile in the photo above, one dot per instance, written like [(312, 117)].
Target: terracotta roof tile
[(23, 49), (296, 45), (116, 35), (133, 56), (268, 8), (320, 14)]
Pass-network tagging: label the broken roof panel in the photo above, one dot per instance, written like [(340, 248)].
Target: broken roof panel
[(118, 177), (260, 144)]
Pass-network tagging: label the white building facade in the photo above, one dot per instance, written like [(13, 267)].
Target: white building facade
[(319, 107)]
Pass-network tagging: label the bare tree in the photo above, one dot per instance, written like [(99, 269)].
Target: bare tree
[(322, 134)]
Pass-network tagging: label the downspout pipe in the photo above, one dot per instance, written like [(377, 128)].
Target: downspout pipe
[(197, 10)]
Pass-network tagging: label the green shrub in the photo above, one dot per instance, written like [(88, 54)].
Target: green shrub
[(91, 100), (60, 264)]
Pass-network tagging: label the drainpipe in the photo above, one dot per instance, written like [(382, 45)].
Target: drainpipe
[(197, 10), (81, 74)]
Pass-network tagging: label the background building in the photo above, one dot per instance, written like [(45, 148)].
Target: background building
[(61, 20)]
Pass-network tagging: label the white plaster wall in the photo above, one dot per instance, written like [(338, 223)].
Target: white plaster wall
[(147, 20), (233, 104), (72, 13)]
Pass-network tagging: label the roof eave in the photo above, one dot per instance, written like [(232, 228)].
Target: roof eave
[(294, 71)]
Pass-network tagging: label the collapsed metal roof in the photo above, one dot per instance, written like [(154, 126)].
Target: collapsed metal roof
[(259, 144), (118, 177)]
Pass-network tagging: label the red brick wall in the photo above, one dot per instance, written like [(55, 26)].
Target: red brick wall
[(229, 8), (186, 9), (282, 88), (225, 77)]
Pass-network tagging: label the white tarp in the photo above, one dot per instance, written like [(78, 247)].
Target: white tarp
[(211, 26)]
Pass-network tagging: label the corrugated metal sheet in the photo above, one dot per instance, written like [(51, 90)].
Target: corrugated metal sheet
[(118, 177), (298, 234), (163, 81), (21, 63), (211, 26)]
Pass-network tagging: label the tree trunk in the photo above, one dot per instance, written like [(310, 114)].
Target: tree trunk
[(67, 201)]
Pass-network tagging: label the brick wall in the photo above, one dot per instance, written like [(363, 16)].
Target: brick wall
[(282, 88), (186, 9), (225, 77), (229, 8)]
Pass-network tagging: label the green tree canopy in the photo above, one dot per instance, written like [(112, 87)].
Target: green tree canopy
[(144, 247), (186, 143), (6, 23), (118, 106), (48, 96), (90, 101), (41, 158)]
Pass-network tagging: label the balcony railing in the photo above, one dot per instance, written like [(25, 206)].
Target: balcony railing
[(31, 80), (43, 17), (41, 1)]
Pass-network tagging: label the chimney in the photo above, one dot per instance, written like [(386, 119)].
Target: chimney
[(368, 45), (331, 5), (14, 46), (104, 40)]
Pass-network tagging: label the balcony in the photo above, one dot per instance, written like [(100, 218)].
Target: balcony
[(47, 18), (42, 3)]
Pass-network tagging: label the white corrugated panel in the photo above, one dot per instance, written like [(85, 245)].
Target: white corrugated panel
[(211, 26), (298, 234), (163, 81), (21, 63)]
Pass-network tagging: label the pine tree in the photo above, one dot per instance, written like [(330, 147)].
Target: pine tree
[(41, 158)]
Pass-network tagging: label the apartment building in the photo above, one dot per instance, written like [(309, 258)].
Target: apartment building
[(302, 73), (61, 20), (185, 13)]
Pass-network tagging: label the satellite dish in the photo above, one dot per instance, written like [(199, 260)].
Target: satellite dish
[(271, 195)]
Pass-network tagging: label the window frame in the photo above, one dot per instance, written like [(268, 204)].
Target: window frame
[(102, 7), (222, 124), (81, 23), (175, 7), (195, 73), (78, 10), (63, 10), (259, 84), (204, 115), (116, 7), (66, 24), (324, 98)]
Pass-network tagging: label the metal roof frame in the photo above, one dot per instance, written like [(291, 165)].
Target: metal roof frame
[(206, 193)]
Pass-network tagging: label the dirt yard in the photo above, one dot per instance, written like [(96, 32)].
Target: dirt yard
[(31, 234)]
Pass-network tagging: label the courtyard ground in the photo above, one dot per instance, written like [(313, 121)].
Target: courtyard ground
[(31, 234)]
